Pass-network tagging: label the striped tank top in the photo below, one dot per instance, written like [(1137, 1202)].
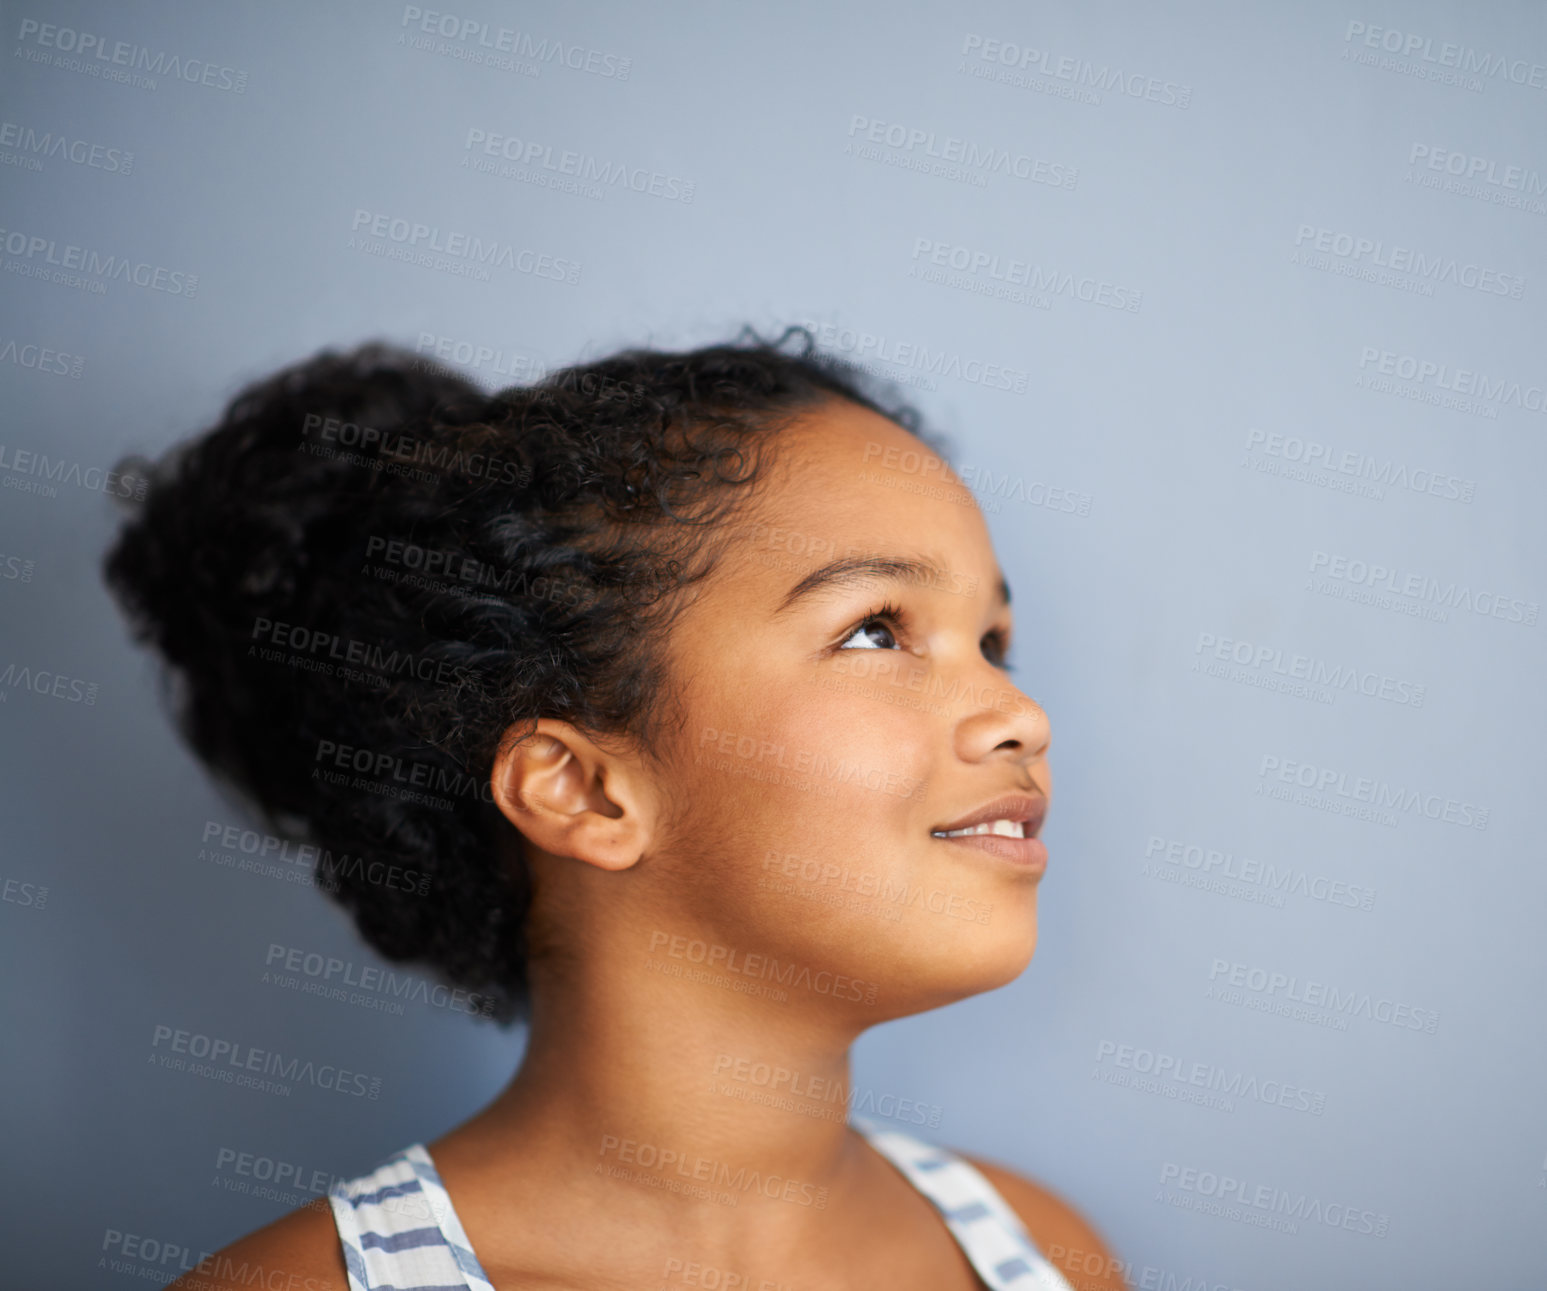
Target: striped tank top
[(400, 1231)]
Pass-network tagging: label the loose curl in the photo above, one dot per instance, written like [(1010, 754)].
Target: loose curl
[(369, 570)]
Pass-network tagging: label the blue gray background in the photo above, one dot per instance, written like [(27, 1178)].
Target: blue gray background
[(1333, 246)]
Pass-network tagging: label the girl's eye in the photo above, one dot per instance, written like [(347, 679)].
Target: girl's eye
[(998, 650), (881, 621), (890, 622)]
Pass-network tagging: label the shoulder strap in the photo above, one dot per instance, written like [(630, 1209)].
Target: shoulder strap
[(399, 1230), (984, 1226)]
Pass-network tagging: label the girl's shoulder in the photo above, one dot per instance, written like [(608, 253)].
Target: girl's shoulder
[(1002, 1219), (361, 1220), (1064, 1236), (301, 1248)]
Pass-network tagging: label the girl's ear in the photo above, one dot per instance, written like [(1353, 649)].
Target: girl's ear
[(570, 797)]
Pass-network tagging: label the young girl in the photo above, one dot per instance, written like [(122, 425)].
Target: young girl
[(680, 680)]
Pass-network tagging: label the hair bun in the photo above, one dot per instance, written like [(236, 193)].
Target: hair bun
[(256, 518)]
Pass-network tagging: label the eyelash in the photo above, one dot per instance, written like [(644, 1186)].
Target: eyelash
[(894, 616)]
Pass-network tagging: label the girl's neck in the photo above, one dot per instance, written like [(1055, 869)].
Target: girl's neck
[(693, 1078)]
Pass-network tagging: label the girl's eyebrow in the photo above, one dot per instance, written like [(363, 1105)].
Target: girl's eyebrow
[(848, 571)]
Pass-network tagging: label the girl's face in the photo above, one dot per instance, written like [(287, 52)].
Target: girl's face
[(828, 738)]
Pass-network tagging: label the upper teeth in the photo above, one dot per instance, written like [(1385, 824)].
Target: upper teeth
[(1008, 828)]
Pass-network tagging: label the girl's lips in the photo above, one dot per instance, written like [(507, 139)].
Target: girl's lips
[(1025, 853), (1029, 809)]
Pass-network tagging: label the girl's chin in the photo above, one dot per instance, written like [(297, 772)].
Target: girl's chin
[(933, 985)]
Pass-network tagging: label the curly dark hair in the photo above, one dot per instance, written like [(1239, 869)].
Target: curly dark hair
[(369, 569)]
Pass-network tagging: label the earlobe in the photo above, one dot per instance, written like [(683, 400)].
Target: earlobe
[(570, 797)]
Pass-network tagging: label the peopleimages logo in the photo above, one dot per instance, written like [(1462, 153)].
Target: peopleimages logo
[(480, 42), (42, 681), (232, 1062), (41, 257), (1308, 669), (370, 986), (107, 58), (1501, 184), (536, 160), (717, 1174), (1462, 384), (971, 159), (1386, 473), (415, 240), (31, 145), (523, 367), (1266, 1199), (269, 1178), (730, 959), (1422, 589), (377, 767), (792, 1090), (308, 864), (42, 358), (1432, 268), (859, 346), (1273, 991), (1171, 1076), (1214, 863), (890, 895), (280, 1173), (17, 568), (143, 1256), (304, 642), (1482, 170), (1010, 273), (1414, 50), (1003, 60), (1378, 794), (29, 471), (753, 754)]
